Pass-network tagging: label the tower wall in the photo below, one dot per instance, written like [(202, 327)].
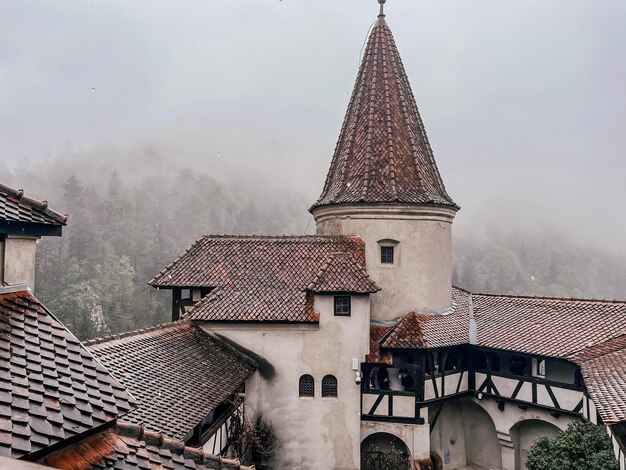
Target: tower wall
[(420, 278)]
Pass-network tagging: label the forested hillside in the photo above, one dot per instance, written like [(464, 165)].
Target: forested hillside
[(125, 225)]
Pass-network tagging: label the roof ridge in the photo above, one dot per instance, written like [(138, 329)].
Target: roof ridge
[(545, 297), (36, 204), (180, 257), (594, 351), (137, 332), (321, 272), (225, 345), (278, 237), (187, 314), (400, 323), (198, 455)]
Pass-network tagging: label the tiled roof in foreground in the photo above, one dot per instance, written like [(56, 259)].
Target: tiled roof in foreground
[(383, 154), (261, 278), (131, 447), (51, 387), (17, 207), (178, 373)]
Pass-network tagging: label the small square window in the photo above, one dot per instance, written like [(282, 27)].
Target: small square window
[(386, 254), (342, 305)]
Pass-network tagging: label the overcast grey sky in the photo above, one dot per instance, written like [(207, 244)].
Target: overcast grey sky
[(524, 101)]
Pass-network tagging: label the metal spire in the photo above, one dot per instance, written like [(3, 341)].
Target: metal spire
[(382, 8)]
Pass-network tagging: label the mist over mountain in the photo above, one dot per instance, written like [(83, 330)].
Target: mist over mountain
[(133, 212)]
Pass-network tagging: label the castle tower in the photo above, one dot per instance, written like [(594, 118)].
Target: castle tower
[(383, 185)]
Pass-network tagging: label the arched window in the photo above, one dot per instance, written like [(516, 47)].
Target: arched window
[(329, 386), (307, 386)]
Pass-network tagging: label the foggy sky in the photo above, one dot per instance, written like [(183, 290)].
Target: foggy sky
[(524, 101)]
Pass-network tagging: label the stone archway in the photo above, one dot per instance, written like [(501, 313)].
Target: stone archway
[(482, 447), (383, 451), (524, 433)]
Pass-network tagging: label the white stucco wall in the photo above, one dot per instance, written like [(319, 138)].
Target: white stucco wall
[(476, 432), (315, 433), (421, 277), (524, 434), (19, 260)]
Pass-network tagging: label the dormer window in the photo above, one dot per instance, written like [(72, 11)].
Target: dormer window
[(387, 254), (343, 306)]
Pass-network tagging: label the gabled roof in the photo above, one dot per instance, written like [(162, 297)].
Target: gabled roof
[(258, 278), (432, 331), (407, 334), (178, 373), (16, 207), (604, 369), (51, 388), (383, 154), (341, 273), (131, 447)]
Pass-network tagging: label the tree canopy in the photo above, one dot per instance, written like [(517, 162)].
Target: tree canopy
[(582, 446)]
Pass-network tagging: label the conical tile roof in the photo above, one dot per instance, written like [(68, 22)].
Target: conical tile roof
[(383, 154)]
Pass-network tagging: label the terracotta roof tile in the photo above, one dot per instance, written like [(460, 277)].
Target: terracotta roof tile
[(131, 447), (603, 367), (546, 326), (433, 331), (407, 334), (51, 387), (341, 273), (375, 356), (383, 154), (155, 364), (256, 278), (16, 207)]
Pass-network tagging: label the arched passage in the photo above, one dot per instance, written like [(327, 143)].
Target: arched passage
[(482, 447), (383, 451), (524, 434)]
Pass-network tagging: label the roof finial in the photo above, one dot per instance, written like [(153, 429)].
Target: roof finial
[(382, 8)]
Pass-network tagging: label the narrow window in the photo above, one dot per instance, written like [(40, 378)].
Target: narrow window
[(386, 254), (329, 386), (541, 367), (343, 305), (307, 386)]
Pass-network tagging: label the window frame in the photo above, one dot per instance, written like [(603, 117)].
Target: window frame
[(329, 381), (302, 384), (336, 305), (383, 246), (387, 255)]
